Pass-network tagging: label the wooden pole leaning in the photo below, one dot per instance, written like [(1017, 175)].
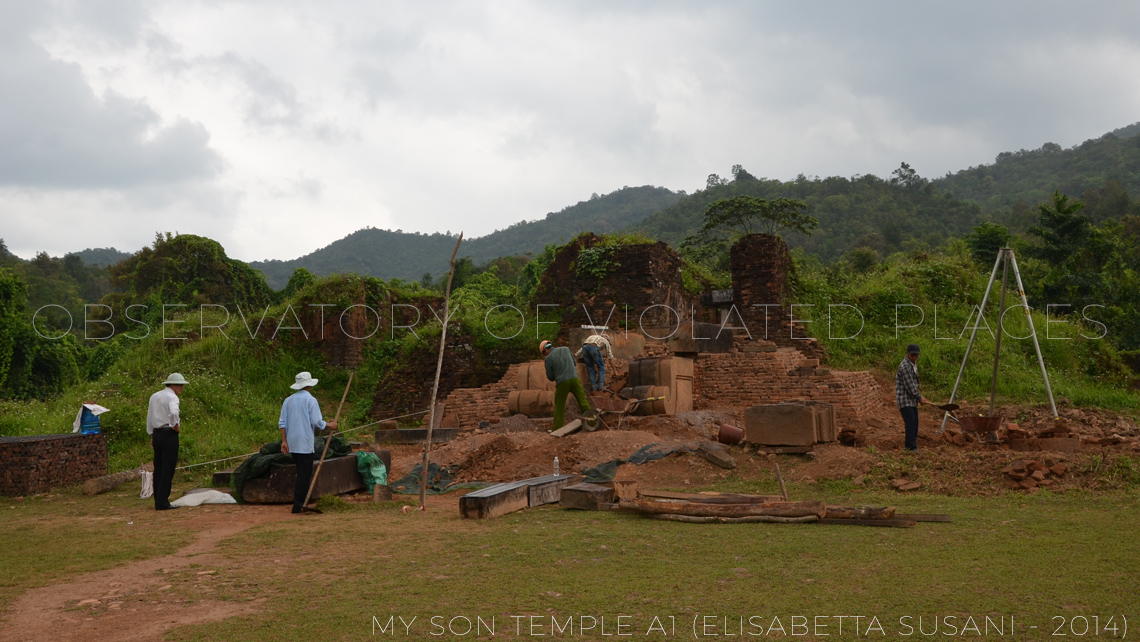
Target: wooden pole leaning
[(328, 440), (438, 370)]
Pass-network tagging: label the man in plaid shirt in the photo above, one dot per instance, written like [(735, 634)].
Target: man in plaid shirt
[(908, 396)]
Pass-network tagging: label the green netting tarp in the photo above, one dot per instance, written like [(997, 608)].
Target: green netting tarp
[(372, 469), (258, 465), (608, 470), (439, 480)]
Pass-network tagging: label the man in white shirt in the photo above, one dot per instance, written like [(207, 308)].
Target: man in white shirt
[(163, 425), (300, 417)]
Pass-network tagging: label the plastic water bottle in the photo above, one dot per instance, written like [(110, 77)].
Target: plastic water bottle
[(555, 466)]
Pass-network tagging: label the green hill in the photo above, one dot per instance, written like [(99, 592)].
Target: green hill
[(1031, 176), (101, 256), (905, 212), (387, 254)]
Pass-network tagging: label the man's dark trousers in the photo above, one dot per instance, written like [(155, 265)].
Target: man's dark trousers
[(910, 425), (304, 463), (165, 444), (595, 366)]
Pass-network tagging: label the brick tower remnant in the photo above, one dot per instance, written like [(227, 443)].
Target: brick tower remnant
[(761, 265)]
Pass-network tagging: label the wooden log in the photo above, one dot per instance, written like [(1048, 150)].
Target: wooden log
[(779, 509), (896, 523), (586, 496), (860, 512), (770, 519), (716, 454), (924, 517), (710, 498), (111, 482)]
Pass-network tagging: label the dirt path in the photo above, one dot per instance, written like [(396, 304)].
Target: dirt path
[(136, 601)]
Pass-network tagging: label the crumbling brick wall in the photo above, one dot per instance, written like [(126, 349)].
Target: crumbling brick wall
[(472, 405), (743, 379), (39, 463), (639, 277), (761, 265)]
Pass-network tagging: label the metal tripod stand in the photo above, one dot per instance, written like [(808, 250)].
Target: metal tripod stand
[(1006, 260)]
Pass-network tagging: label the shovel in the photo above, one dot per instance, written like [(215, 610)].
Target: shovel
[(312, 484)]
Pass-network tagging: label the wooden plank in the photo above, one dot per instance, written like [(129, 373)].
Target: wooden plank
[(896, 523), (860, 512), (568, 428), (586, 496), (717, 498), (549, 491), (695, 509), (716, 454), (783, 450), (924, 517)]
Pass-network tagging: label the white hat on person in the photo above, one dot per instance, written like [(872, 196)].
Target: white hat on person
[(175, 379), (304, 380)]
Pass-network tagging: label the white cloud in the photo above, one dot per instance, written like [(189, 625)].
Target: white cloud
[(277, 128)]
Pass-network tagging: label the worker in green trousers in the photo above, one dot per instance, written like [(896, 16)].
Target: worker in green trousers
[(561, 369)]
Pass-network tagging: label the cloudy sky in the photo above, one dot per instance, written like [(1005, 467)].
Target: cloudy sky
[(279, 127)]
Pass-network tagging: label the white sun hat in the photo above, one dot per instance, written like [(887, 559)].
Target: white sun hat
[(175, 379), (304, 380)]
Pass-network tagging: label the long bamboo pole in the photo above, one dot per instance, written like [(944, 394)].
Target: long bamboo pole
[(438, 370)]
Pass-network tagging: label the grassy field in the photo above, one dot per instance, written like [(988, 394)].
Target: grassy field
[(1032, 558)]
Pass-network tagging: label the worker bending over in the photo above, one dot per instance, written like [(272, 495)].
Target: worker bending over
[(593, 349)]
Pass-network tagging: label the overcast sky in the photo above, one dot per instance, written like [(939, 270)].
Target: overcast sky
[(279, 127)]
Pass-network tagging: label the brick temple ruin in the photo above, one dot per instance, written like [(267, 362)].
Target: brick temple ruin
[(739, 368)]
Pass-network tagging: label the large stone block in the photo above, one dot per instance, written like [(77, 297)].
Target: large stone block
[(338, 475), (780, 425)]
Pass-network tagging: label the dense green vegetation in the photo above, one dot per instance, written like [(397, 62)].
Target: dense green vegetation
[(397, 254), (884, 216), (1031, 176)]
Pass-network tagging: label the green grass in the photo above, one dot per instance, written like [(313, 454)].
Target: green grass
[(325, 577), (1031, 557), (51, 539)]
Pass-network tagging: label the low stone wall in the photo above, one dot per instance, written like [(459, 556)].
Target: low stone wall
[(39, 463), (745, 379)]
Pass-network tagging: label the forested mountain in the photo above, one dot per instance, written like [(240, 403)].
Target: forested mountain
[(100, 256), (403, 255), (905, 212), (1031, 176)]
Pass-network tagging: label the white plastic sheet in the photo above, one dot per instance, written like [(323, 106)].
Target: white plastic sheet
[(204, 497)]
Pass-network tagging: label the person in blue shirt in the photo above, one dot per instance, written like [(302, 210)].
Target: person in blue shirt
[(300, 417)]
